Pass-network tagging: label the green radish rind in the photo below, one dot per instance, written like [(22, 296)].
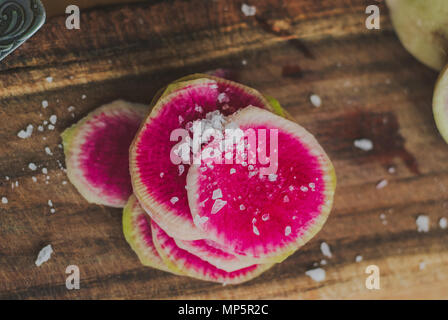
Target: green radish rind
[(137, 232), (421, 27), (440, 104)]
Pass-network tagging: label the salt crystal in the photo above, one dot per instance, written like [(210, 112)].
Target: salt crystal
[(217, 194), (49, 79), (34, 179), (4, 200), (44, 170), (50, 127), (232, 171), (287, 231), (44, 255), (161, 174), (248, 11), (48, 151), (218, 205), (323, 262), (255, 230), (50, 203), (53, 119), (315, 100), (223, 98), (285, 199), (391, 170), (422, 223), (317, 274), (265, 217), (381, 184), (363, 144), (40, 128), (174, 200), (64, 182), (44, 104), (71, 109), (443, 223), (325, 248), (242, 207), (422, 265), (272, 177), (181, 169), (24, 134), (52, 210), (32, 166), (83, 96), (200, 220), (303, 189), (358, 258)]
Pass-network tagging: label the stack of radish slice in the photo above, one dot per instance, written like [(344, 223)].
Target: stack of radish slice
[(224, 221)]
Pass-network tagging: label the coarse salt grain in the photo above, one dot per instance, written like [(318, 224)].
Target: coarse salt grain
[(44, 104), (248, 11), (363, 144), (381, 184), (32, 166), (315, 100), (174, 200), (317, 274), (4, 200), (44, 255), (443, 223), (422, 223), (325, 248), (24, 134)]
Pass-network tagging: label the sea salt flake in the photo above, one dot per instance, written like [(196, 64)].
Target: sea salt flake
[(32, 166), (422, 223), (232, 171), (443, 223), (218, 205), (303, 189), (317, 274), (358, 258), (34, 179), (287, 231), (40, 128), (223, 98), (217, 194), (272, 177), (265, 217), (52, 210), (50, 127), (44, 255), (53, 119), (4, 200), (83, 96), (323, 262), (50, 203), (200, 220), (316, 101), (174, 200), (24, 134), (422, 265), (363, 144), (181, 169), (48, 151), (71, 109), (49, 79), (44, 104), (285, 199), (325, 248), (44, 170), (248, 11), (255, 230), (382, 184), (161, 174)]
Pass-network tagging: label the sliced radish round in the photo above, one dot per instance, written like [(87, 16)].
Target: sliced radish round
[(184, 262), (137, 231), (250, 212), (214, 254), (440, 104), (97, 152), (159, 184)]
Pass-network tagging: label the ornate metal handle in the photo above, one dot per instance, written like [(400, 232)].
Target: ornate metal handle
[(19, 20)]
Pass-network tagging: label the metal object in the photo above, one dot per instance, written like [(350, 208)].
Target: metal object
[(19, 20)]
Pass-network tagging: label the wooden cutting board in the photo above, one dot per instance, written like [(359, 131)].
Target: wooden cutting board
[(370, 88)]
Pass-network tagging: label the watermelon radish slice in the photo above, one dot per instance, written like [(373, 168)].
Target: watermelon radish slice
[(97, 152), (440, 104), (184, 262), (266, 217), (160, 184), (137, 232), (214, 254)]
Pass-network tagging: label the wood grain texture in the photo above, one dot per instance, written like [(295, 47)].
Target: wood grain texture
[(370, 88)]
